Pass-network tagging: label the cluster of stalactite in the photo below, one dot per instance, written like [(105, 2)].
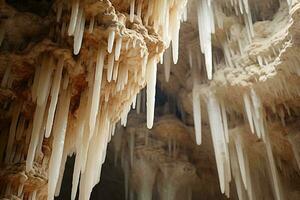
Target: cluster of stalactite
[(166, 163), (155, 162), (64, 94), (255, 78)]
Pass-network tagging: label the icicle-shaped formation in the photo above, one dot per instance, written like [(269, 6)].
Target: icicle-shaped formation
[(95, 156), (43, 89), (74, 15), (274, 173), (146, 179), (110, 67), (219, 142), (118, 48), (59, 131), (207, 10), (236, 174), (151, 84), (206, 28), (257, 117), (97, 88), (111, 40), (225, 123), (197, 114), (54, 96), (241, 159), (174, 26), (81, 141), (79, 31), (196, 103), (132, 5), (254, 113), (12, 130), (248, 110)]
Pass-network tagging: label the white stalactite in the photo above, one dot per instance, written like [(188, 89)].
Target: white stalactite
[(197, 115), (74, 13), (151, 84), (111, 40), (248, 109), (118, 48), (225, 122), (54, 96), (219, 141), (79, 32), (132, 5), (110, 66), (96, 89), (43, 92), (206, 28), (274, 173), (241, 160), (59, 132)]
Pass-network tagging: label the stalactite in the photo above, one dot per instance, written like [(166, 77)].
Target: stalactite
[(54, 96), (59, 131), (147, 180), (118, 48), (74, 15), (84, 80), (110, 67), (91, 25), (205, 25), (12, 130), (132, 8), (219, 142), (96, 89), (111, 40), (79, 31), (241, 159), (43, 92), (197, 114), (248, 110), (225, 122), (151, 84), (274, 173)]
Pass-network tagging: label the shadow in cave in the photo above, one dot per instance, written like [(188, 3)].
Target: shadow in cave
[(110, 187)]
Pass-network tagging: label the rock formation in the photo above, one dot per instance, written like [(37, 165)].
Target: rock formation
[(226, 97)]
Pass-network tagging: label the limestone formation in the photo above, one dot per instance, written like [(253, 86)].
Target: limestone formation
[(192, 99)]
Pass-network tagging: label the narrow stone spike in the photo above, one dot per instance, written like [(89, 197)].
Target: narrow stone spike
[(151, 84), (248, 110), (111, 39), (197, 115)]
